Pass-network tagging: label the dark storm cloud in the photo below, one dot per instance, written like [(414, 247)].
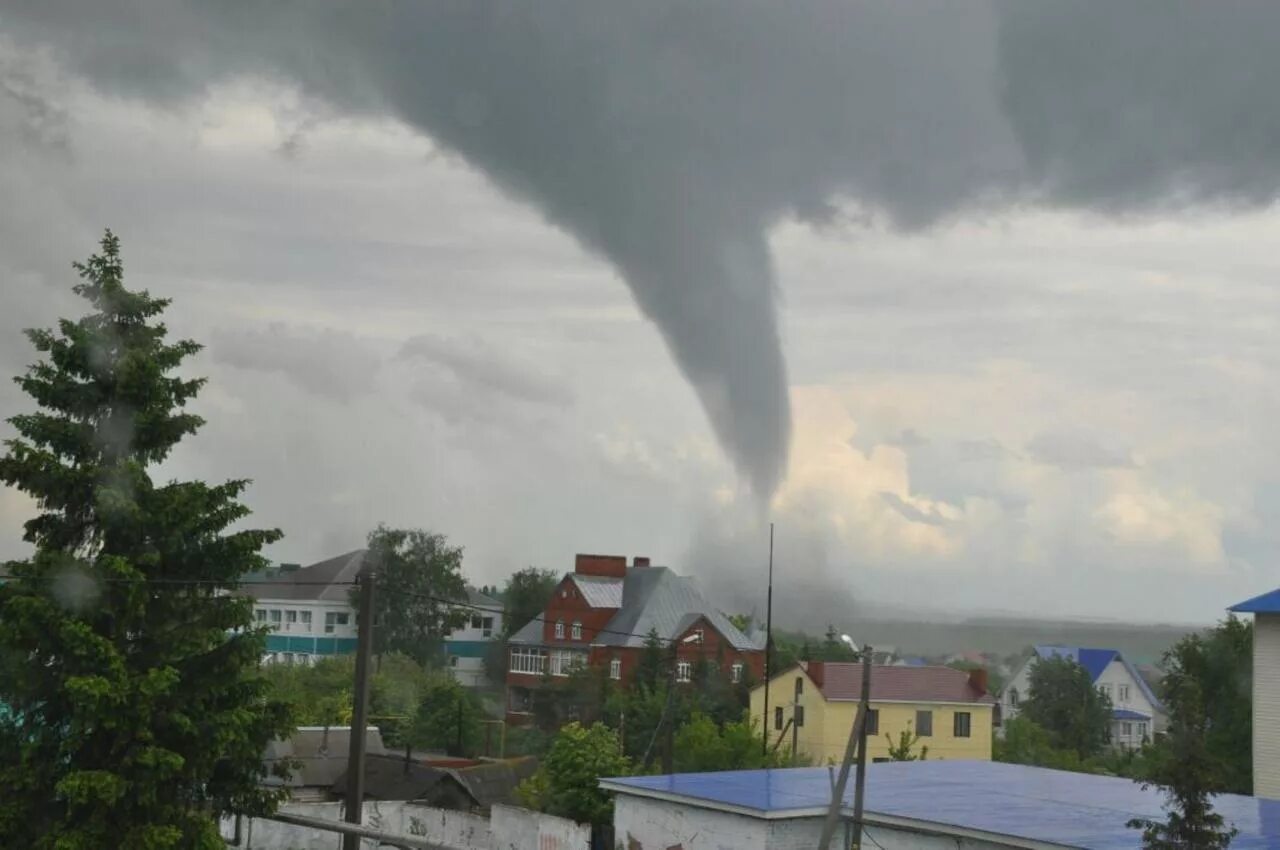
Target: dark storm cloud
[(328, 362), (478, 366), (668, 137)]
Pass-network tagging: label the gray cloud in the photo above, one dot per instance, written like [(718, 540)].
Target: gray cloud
[(1075, 450), (329, 363), (473, 363), (910, 511), (669, 137)]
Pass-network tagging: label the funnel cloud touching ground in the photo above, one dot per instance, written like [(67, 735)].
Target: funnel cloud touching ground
[(669, 137)]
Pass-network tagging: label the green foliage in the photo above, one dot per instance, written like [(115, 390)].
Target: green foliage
[(651, 669), (418, 572), (834, 649), (567, 784), (1187, 771), (525, 596), (448, 719), (702, 745), (1064, 703), (137, 713), (1025, 742), (901, 751), (1219, 664)]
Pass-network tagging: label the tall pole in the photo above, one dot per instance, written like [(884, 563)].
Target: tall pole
[(860, 786), (768, 650), (857, 745), (360, 707)]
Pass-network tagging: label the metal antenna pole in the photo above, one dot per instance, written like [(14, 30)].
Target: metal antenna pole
[(360, 707), (768, 650)]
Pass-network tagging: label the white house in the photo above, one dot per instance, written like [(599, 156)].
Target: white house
[(1137, 714), (1266, 691), (308, 609), (467, 647)]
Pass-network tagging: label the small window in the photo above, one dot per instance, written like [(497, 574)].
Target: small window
[(475, 621), (777, 718), (1142, 731), (1105, 690), (924, 724), (1013, 697), (333, 619), (684, 671), (799, 685), (961, 724), (291, 616), (486, 626), (1126, 729), (560, 629), (1122, 693), (698, 636), (577, 630), (306, 619), (873, 721), (615, 668), (453, 661), (735, 673), (275, 616), (260, 615)]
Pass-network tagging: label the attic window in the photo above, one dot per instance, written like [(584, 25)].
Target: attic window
[(697, 633)]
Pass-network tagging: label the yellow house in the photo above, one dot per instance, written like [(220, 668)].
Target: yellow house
[(950, 710)]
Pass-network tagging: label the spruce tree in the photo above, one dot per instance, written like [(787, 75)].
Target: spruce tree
[(136, 712)]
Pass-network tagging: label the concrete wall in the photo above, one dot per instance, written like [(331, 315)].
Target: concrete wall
[(520, 829), (1266, 705), (641, 823), (442, 826)]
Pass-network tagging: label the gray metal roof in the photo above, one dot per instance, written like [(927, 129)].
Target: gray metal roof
[(479, 600), (530, 632), (326, 581), (655, 598), (600, 591)]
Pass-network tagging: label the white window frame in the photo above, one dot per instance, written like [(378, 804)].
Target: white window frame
[(528, 660), (560, 629), (486, 626), (684, 671), (576, 630), (260, 615), (1126, 729), (275, 616), (1142, 729), (615, 668), (735, 672), (305, 616), (1122, 693), (1105, 690)]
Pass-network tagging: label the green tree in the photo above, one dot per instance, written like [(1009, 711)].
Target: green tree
[(651, 669), (418, 574), (1024, 742), (1220, 665), (568, 783), (525, 596), (1064, 702), (448, 718), (130, 667), (901, 751), (702, 745), (1187, 771), (833, 648)]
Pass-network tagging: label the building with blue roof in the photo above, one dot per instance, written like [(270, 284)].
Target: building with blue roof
[(1266, 690), (1137, 713), (923, 805)]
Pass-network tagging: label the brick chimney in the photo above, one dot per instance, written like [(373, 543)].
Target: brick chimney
[(608, 566), (978, 679), (640, 561), (815, 671)]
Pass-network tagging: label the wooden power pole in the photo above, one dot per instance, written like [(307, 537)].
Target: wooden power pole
[(360, 707), (857, 746)]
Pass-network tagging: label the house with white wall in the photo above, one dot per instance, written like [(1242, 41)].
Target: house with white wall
[(1266, 691), (1137, 714), (466, 648), (311, 616)]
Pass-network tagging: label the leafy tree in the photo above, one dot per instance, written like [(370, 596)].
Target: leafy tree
[(1219, 664), (1024, 742), (418, 573), (835, 649), (1187, 771), (130, 667), (702, 745), (901, 751), (525, 596), (448, 718), (651, 669), (741, 622), (568, 783), (1064, 702), (320, 694)]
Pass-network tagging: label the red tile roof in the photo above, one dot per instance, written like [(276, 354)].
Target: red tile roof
[(843, 681)]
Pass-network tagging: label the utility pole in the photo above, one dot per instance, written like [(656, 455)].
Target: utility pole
[(360, 707), (768, 650), (857, 746)]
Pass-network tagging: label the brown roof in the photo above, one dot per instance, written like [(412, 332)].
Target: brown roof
[(843, 681)]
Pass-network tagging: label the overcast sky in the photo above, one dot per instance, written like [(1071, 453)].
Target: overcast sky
[(964, 357)]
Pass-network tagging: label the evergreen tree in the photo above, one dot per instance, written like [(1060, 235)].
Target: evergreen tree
[(137, 710)]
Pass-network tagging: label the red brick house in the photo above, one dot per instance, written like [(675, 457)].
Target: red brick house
[(600, 615)]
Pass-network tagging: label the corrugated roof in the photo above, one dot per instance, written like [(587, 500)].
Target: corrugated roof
[(478, 599), (657, 599), (1267, 603), (843, 681), (600, 591), (326, 581), (1128, 714), (1029, 803), (530, 632)]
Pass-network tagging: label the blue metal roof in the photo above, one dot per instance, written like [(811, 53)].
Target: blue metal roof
[(1095, 661), (1033, 803), (1128, 714), (1267, 603)]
